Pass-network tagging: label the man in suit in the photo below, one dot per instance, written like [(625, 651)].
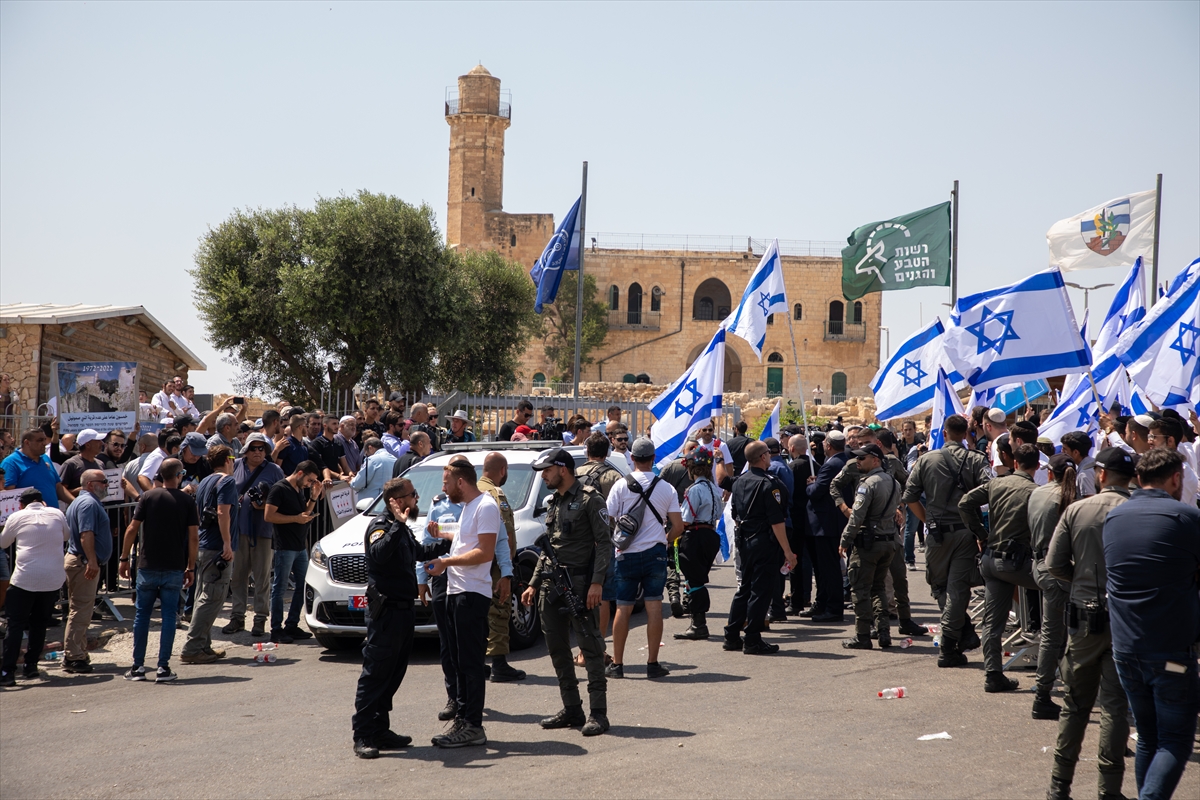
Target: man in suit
[(825, 525)]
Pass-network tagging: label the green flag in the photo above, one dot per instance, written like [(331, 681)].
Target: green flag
[(910, 250)]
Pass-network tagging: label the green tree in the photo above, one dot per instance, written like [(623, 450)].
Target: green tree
[(357, 289), (558, 329)]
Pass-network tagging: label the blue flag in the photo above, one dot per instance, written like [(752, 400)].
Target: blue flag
[(1017, 333), (1162, 353), (763, 297), (904, 385), (771, 429), (561, 253), (945, 403), (690, 402)]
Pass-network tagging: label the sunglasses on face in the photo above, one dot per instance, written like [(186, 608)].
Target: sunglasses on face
[(256, 449), (402, 496), (620, 438)]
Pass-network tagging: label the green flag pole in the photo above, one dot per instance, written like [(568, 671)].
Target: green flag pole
[(579, 291), (954, 246)]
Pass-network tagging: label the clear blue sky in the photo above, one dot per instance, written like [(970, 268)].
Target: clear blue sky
[(127, 129)]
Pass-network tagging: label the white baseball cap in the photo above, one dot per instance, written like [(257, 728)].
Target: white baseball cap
[(87, 435)]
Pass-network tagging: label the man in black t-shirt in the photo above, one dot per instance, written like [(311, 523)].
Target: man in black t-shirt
[(521, 416), (737, 447), (290, 508), (170, 528), (330, 455)]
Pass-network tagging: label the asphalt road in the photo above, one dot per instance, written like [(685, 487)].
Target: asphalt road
[(803, 723)]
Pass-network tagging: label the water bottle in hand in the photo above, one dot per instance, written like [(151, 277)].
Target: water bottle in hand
[(893, 693), (786, 569)]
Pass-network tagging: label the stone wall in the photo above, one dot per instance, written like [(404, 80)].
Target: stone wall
[(20, 352)]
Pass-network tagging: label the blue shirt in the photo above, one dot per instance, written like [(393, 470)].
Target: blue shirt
[(216, 490), (22, 472), (87, 513), (1151, 553), (292, 456), (375, 472)]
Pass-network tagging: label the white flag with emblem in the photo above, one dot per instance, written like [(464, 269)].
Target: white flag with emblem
[(1112, 234)]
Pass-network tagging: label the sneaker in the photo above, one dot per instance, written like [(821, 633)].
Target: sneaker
[(203, 657), (912, 566), (365, 749), (136, 674), (567, 718), (77, 667), (858, 643), (8, 679), (236, 625), (297, 632), (164, 675), (808, 612), (732, 644), (462, 735), (279, 637), (30, 672), (389, 740), (216, 652), (656, 670), (614, 670), (449, 712), (760, 649), (694, 632), (596, 724)]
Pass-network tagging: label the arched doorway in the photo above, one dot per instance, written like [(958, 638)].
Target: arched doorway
[(733, 366), (711, 301), (634, 309)]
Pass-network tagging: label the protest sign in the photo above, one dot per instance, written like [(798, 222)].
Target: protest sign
[(341, 503), (101, 395)]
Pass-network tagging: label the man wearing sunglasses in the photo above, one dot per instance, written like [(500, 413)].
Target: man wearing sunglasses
[(869, 542), (254, 552), (523, 414), (90, 546)]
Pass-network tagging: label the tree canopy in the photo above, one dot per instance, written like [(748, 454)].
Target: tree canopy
[(558, 329), (358, 289)]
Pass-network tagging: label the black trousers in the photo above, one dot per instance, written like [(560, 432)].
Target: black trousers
[(777, 609), (468, 651), (33, 610), (828, 569), (441, 618), (697, 551), (802, 576), (761, 560), (385, 662)]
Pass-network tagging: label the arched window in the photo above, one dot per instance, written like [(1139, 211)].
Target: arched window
[(643, 378), (857, 318), (837, 389), (836, 317), (711, 300), (770, 319), (656, 299), (775, 358), (539, 379), (798, 313), (614, 298), (513, 240), (629, 378), (634, 313)]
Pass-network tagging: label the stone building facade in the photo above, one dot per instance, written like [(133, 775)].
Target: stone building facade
[(664, 304)]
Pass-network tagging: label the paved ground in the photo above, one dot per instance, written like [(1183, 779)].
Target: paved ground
[(803, 723)]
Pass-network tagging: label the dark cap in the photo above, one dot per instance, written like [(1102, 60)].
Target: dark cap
[(642, 448), (556, 457), (1117, 460), (31, 495), (868, 450), (396, 396), (773, 445), (1059, 463)]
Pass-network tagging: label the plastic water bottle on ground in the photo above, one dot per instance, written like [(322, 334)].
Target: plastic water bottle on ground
[(893, 693), (936, 632), (53, 655), (905, 644), (265, 646), (265, 658)]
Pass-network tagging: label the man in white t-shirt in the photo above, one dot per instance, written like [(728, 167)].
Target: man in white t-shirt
[(995, 425), (468, 571), (722, 457), (643, 562)]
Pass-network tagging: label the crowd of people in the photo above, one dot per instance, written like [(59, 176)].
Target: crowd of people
[(1101, 530)]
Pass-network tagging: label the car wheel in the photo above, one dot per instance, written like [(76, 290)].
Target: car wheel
[(524, 626), (330, 642)]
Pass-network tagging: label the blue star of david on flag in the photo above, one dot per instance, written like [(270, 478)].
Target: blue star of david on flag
[(692, 400), (680, 408), (1085, 417), (1180, 344), (915, 367), (979, 330), (764, 302)]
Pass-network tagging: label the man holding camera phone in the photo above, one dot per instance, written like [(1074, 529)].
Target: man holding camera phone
[(290, 508)]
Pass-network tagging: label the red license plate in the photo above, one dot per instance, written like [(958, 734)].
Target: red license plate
[(358, 602)]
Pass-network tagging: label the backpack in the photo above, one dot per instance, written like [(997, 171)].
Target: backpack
[(593, 476), (629, 522)]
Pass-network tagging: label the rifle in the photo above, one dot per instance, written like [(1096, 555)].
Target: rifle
[(561, 580)]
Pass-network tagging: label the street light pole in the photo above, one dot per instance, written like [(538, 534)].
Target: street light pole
[(888, 331), (1087, 289)]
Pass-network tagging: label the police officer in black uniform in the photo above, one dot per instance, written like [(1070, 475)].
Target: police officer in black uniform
[(392, 553), (758, 509)]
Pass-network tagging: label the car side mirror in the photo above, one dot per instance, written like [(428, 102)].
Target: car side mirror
[(364, 504)]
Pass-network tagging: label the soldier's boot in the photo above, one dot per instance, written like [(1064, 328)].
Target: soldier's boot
[(570, 717), (260, 626), (970, 638), (1060, 789), (697, 630), (503, 672), (1044, 707), (885, 637), (997, 682), (236, 624), (676, 602), (860, 642), (597, 722), (950, 655), (909, 628)]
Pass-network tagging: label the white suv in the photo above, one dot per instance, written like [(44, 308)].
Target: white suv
[(336, 584)]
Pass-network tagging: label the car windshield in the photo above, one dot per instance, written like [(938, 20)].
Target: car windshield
[(427, 480)]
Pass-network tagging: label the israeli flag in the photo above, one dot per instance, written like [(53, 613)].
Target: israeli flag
[(984, 397), (945, 403), (1138, 404), (561, 253), (904, 385), (771, 429), (1075, 412), (690, 402), (1180, 279), (724, 537), (1162, 353), (1127, 309), (763, 297), (1017, 333)]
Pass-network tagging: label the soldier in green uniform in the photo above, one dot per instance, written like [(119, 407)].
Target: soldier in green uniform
[(578, 527), (1077, 555), (943, 476), (870, 540), (1008, 553), (495, 473)]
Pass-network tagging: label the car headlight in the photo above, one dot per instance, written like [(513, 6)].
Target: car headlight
[(318, 556)]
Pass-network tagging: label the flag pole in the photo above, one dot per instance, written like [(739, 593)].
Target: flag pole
[(954, 246), (1095, 394), (579, 288), (1154, 266), (799, 387)]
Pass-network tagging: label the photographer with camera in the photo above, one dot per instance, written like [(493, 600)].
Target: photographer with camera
[(217, 501), (252, 554), (1076, 555), (550, 428)]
